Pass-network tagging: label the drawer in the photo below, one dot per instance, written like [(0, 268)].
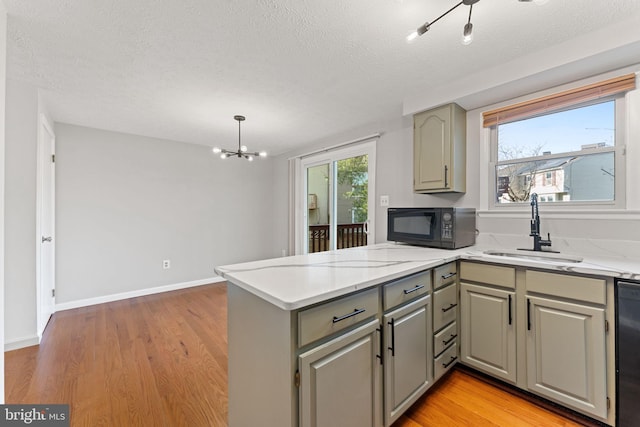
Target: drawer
[(326, 319), (445, 361), (563, 285), (488, 273), (406, 289), (445, 338), (445, 306), (444, 275)]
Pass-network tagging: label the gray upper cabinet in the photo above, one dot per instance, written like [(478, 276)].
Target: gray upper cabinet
[(439, 150)]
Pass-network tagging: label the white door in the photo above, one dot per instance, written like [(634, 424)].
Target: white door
[(45, 256), (338, 193)]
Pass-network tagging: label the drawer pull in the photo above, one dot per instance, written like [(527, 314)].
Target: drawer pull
[(444, 310), (447, 364), (408, 291), (453, 337), (346, 316), (446, 276)]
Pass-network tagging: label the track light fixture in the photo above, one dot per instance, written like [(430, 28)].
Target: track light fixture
[(467, 32), (241, 152)]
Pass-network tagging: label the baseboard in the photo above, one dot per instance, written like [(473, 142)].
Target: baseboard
[(132, 294), (21, 343)]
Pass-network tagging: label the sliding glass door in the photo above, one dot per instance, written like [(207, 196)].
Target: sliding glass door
[(338, 199)]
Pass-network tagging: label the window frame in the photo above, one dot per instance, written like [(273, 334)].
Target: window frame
[(619, 150)]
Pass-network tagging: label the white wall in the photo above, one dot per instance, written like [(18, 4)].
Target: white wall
[(3, 77), (125, 203), (20, 213)]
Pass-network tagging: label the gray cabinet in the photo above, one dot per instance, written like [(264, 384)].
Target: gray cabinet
[(407, 370), (439, 150), (408, 354), (489, 330), (445, 319), (339, 381), (543, 332), (566, 341)]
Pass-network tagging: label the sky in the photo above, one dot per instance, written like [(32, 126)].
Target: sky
[(561, 132)]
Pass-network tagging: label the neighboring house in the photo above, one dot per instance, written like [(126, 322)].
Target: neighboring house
[(589, 177)]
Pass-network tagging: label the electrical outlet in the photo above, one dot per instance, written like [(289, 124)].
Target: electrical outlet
[(384, 200), (166, 264)]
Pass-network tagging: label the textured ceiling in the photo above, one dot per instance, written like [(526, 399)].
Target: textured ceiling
[(300, 70)]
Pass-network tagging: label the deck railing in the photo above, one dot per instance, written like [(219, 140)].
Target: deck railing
[(349, 236)]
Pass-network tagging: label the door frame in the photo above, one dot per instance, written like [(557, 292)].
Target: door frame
[(42, 317), (330, 156)]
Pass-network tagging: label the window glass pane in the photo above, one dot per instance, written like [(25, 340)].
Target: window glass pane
[(589, 177), (578, 129)]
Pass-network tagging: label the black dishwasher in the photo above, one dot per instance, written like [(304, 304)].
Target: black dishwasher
[(628, 353)]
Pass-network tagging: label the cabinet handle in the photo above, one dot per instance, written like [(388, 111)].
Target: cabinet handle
[(444, 310), (446, 276), (393, 337), (528, 314), (346, 316), (453, 337), (446, 176), (408, 291), (381, 355), (447, 364), (509, 309)]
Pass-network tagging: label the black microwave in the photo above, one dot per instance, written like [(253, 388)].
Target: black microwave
[(447, 228)]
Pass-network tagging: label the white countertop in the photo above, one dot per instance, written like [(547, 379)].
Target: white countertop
[(298, 281)]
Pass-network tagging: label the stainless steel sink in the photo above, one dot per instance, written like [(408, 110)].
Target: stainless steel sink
[(536, 256)]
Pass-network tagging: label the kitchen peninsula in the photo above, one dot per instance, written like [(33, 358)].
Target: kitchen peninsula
[(312, 338)]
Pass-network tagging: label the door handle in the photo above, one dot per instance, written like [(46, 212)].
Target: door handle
[(393, 337), (365, 227), (381, 343), (446, 176), (46, 239)]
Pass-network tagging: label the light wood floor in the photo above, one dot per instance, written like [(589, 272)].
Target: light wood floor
[(161, 360)]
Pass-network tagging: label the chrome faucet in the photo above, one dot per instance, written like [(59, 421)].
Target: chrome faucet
[(538, 242)]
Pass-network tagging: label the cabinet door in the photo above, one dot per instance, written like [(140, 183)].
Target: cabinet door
[(566, 354), (408, 358), (340, 381), (439, 150), (489, 330), (432, 154)]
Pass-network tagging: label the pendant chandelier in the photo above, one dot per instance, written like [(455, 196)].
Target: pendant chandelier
[(241, 152), (467, 31)]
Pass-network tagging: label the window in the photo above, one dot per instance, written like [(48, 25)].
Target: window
[(567, 147), (561, 156)]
